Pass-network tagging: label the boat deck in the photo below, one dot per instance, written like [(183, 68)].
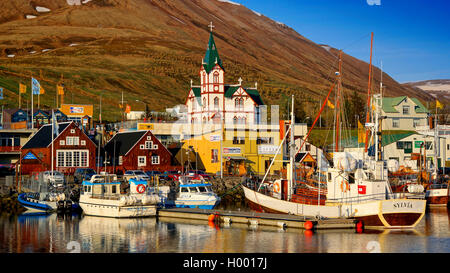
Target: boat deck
[(256, 218)]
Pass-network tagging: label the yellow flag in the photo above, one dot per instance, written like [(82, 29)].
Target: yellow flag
[(41, 90), (361, 133), (330, 104), (22, 88), (439, 105), (60, 89)]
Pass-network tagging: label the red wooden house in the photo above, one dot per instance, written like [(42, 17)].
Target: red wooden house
[(138, 150), (72, 149)]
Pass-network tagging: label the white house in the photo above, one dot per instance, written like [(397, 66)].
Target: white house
[(403, 113)]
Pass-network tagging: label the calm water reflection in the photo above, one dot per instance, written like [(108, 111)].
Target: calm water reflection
[(51, 233)]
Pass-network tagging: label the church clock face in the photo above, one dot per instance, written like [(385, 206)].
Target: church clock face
[(216, 88)]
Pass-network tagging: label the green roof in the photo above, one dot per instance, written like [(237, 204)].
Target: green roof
[(389, 103), (388, 139), (212, 56), (197, 91), (229, 90), (419, 106), (254, 94)]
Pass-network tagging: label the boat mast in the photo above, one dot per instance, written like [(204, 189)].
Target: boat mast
[(291, 152), (368, 93), (337, 108), (436, 150)]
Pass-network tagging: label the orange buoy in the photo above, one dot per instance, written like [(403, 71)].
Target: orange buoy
[(211, 217), (308, 225)]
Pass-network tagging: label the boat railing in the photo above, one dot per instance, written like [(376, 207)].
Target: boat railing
[(376, 197)]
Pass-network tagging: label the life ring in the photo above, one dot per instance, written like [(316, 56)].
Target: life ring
[(347, 186), (276, 187), (140, 188)]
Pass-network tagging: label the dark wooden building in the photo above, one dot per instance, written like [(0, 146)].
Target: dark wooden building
[(138, 150), (72, 149)]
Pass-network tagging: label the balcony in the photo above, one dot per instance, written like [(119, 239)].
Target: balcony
[(10, 149)]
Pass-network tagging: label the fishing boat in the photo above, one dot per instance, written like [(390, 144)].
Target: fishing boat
[(47, 202), (101, 196), (195, 192), (355, 187)]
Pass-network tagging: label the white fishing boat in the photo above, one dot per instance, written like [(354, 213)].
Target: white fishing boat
[(195, 192), (101, 196)]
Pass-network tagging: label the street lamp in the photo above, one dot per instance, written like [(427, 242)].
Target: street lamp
[(146, 109)]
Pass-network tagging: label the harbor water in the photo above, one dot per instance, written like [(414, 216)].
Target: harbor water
[(34, 233)]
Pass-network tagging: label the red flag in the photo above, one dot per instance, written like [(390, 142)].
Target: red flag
[(361, 189)]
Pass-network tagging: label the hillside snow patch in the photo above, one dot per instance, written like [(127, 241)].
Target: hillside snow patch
[(42, 9)]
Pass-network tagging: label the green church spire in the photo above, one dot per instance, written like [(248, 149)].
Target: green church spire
[(212, 55)]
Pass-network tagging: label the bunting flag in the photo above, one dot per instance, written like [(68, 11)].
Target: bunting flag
[(55, 125), (128, 109), (330, 104), (439, 105), (35, 86), (60, 89), (1, 93), (22, 88), (41, 90), (361, 133)]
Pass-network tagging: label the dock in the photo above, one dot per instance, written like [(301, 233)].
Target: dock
[(257, 218)]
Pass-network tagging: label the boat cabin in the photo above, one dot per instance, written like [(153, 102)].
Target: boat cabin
[(102, 186)]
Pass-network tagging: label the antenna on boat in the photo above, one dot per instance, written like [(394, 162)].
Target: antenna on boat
[(368, 93), (291, 151)]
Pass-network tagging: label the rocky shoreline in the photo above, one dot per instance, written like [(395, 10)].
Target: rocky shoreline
[(230, 191), (10, 205)]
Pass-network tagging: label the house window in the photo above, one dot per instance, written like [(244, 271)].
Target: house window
[(204, 102), (428, 145), (416, 122), (148, 145), (84, 158), (83, 142), (120, 160), (214, 156), (155, 159), (142, 161), (60, 159), (239, 140), (62, 142), (405, 110), (76, 158), (395, 123), (72, 131), (72, 140), (142, 146)]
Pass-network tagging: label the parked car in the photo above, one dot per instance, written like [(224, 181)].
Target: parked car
[(200, 173), (54, 178), (83, 174), (136, 174), (171, 175), (153, 173)]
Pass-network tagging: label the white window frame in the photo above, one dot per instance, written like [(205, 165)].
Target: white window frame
[(149, 145), (395, 122), (62, 155), (142, 163), (155, 160), (83, 143), (72, 131), (120, 160), (142, 147), (62, 142)]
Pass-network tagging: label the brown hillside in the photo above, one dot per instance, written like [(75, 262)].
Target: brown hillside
[(151, 50)]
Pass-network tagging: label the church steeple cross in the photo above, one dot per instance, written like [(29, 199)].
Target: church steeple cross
[(211, 26)]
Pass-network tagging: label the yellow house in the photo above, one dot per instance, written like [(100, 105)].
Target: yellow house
[(243, 150)]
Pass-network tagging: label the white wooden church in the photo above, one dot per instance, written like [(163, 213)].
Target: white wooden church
[(213, 100)]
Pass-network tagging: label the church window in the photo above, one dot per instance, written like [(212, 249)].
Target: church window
[(216, 77), (235, 120), (204, 102), (216, 102)]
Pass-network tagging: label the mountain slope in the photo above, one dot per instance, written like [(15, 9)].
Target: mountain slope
[(151, 50)]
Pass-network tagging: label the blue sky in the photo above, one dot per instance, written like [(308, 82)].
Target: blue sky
[(411, 38)]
